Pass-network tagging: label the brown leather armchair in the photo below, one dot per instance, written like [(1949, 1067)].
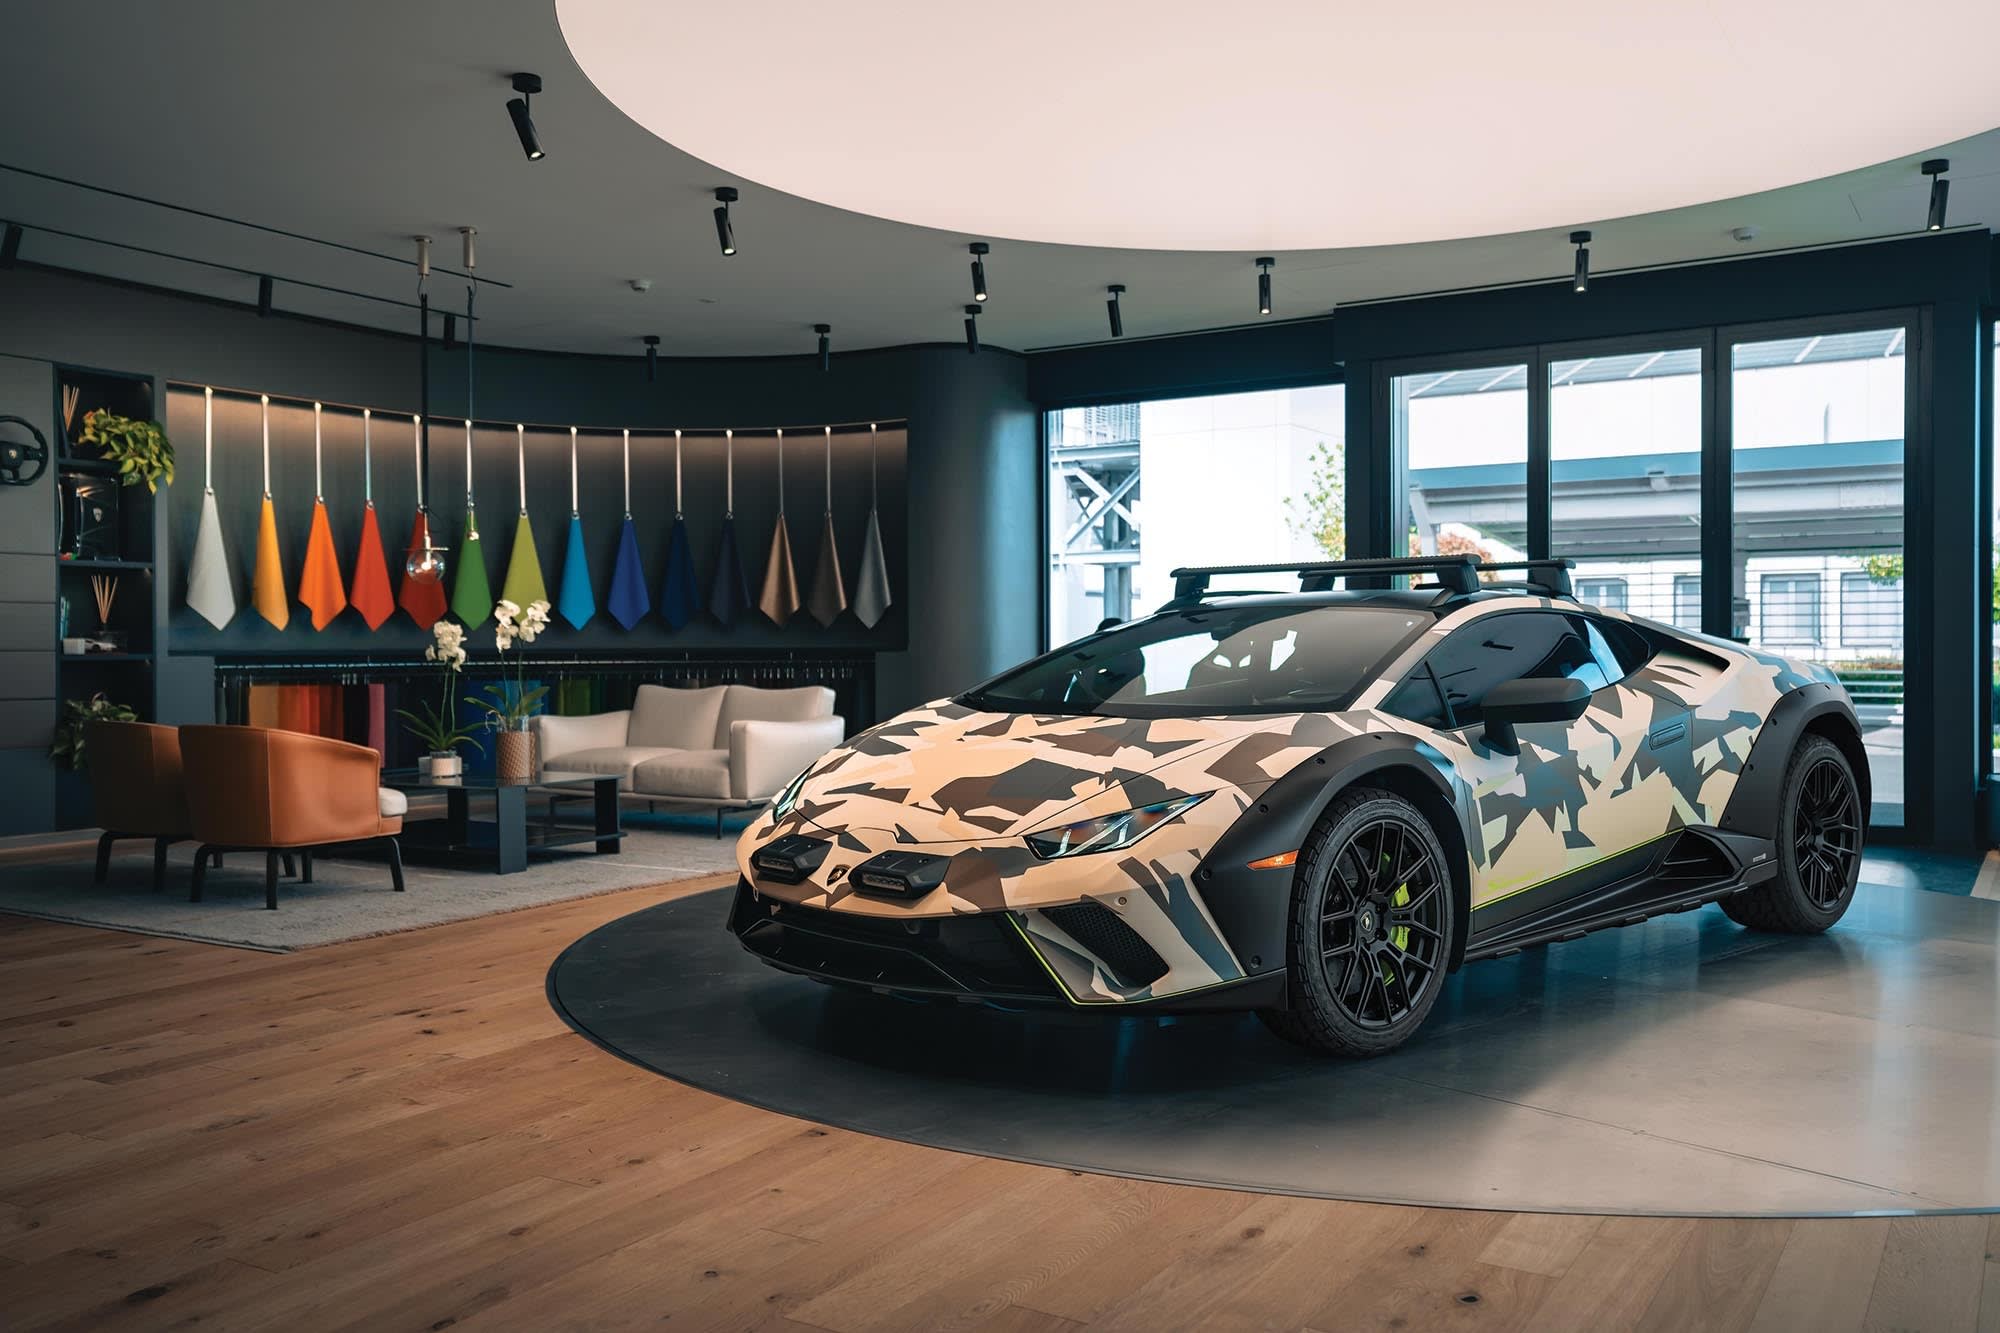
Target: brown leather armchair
[(135, 783), (259, 789)]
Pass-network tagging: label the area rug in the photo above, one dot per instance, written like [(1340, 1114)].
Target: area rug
[(349, 898)]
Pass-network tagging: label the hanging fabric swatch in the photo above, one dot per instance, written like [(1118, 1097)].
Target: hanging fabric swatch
[(680, 598), (829, 593), (780, 597), (471, 594), (369, 593), (523, 584), (628, 602), (422, 597), (576, 602), (320, 590), (267, 583), (871, 581), (729, 596), (210, 594)]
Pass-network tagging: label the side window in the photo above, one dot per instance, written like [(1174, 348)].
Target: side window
[(1417, 699), (1519, 645), (1619, 644)]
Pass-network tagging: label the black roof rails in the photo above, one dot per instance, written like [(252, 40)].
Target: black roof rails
[(1549, 576), (1459, 573)]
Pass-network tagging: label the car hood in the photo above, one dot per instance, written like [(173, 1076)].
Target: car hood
[(946, 773)]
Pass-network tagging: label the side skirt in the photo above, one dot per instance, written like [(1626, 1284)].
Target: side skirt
[(1678, 873)]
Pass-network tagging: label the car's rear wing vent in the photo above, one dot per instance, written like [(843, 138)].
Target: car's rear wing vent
[(1456, 573)]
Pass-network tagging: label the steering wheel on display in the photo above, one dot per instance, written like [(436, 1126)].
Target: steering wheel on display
[(22, 462)]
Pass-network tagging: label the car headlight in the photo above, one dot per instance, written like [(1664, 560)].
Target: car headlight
[(1108, 833), (789, 797)]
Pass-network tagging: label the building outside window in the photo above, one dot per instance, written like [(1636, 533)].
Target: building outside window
[(1607, 593), (1687, 601), (1871, 610), (1139, 489), (1788, 610)]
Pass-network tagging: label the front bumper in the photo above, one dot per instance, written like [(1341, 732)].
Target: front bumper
[(1009, 959)]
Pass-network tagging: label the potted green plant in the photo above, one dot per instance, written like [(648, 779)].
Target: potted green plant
[(139, 448), (71, 732), (437, 728), (509, 704)]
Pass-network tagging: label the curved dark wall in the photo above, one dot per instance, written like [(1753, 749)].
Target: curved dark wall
[(966, 588)]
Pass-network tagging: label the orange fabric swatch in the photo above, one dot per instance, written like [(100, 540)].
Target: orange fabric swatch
[(320, 590), (425, 602), (370, 593)]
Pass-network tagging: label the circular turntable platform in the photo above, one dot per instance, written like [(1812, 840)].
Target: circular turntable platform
[(1681, 1066)]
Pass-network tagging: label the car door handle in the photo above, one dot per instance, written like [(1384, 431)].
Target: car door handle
[(1667, 733)]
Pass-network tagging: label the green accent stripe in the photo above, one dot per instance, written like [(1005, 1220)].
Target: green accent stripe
[(1529, 888)]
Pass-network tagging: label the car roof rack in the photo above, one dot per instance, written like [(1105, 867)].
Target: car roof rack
[(1458, 573), (1546, 576)]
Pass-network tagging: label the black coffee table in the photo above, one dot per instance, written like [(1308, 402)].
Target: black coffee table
[(504, 842)]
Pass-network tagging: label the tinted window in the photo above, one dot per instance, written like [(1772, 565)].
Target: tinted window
[(1521, 645), (1215, 658), (1417, 699)]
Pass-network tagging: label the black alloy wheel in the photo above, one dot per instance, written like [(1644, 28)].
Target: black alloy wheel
[(1381, 931), (1821, 824), (1826, 836), (1371, 928)]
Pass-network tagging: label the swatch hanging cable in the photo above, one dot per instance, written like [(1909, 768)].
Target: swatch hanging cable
[(320, 590), (829, 592), (871, 581), (267, 582), (729, 595), (779, 599), (680, 596), (523, 585), (471, 594), (575, 601), (210, 594), (628, 601), (368, 591)]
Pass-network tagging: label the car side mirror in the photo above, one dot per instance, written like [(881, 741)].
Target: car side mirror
[(1512, 703)]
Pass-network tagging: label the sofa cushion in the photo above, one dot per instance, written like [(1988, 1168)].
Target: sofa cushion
[(702, 773), (675, 719), (391, 804), (618, 759), (748, 703)]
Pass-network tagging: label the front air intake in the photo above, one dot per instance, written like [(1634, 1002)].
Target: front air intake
[(1104, 934)]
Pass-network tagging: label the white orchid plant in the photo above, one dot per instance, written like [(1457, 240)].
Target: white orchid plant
[(437, 729), (509, 704)]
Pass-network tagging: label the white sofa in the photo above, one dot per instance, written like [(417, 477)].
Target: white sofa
[(727, 747)]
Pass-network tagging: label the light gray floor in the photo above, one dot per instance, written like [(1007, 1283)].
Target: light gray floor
[(349, 899), (1681, 1066)]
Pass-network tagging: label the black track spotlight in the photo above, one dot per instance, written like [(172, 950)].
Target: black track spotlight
[(264, 286), (1264, 266), (1940, 191), (10, 245), (725, 233), (825, 332), (972, 330), (1111, 308), (524, 126), (980, 250), (1581, 240), (652, 341)]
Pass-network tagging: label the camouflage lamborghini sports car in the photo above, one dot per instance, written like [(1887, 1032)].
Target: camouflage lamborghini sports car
[(1314, 804)]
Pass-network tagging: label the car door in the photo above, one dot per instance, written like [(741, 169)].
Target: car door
[(1554, 804)]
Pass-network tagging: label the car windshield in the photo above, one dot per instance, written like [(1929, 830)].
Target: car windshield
[(1210, 659)]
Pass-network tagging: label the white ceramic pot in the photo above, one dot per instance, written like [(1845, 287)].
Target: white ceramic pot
[(444, 764)]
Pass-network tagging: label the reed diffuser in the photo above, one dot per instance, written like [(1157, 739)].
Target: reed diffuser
[(104, 587)]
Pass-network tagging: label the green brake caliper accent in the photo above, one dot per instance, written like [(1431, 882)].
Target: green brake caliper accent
[(1400, 935)]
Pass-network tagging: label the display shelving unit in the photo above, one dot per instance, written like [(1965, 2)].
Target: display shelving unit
[(127, 675)]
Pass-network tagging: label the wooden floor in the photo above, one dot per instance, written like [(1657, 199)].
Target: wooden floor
[(400, 1134)]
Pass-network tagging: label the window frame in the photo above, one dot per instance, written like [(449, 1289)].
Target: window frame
[(1764, 580)]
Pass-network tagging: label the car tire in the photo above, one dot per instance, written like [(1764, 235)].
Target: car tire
[(1369, 937), (1820, 827)]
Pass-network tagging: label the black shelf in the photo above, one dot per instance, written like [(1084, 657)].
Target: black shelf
[(99, 467), (105, 657), (102, 565)]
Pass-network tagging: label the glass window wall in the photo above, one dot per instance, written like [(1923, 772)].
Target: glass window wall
[(1139, 489), (1463, 437)]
